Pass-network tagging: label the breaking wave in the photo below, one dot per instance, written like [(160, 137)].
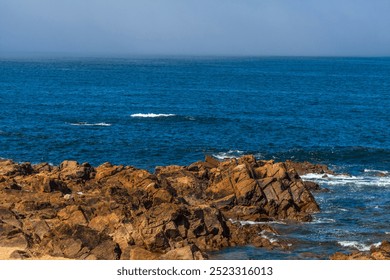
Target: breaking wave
[(243, 223), (151, 115), (344, 180), (90, 124), (357, 245), (229, 154)]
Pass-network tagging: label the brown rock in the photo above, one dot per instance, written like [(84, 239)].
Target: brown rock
[(111, 212), (303, 168), (185, 253), (72, 170)]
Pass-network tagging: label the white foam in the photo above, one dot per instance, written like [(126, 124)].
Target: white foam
[(387, 232), (334, 180), (263, 234), (151, 115), (229, 154), (243, 223), (91, 124), (357, 245), (322, 221), (376, 171)]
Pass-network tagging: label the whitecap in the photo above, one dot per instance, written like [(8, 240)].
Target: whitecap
[(357, 245), (376, 171), (90, 124), (334, 180), (322, 221), (243, 223), (151, 115), (229, 154)]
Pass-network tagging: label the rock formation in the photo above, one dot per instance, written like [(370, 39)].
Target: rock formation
[(78, 211)]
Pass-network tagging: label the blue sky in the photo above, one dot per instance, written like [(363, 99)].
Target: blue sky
[(180, 27)]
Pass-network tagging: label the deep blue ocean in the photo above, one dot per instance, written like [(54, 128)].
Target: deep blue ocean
[(150, 111)]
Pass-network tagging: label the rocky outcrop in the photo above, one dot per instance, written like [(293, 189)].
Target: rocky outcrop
[(78, 211), (382, 252), (305, 167)]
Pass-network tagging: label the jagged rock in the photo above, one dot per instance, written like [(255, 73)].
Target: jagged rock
[(72, 170), (106, 170), (11, 169), (121, 212)]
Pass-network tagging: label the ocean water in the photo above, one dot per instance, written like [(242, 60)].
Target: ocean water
[(158, 111)]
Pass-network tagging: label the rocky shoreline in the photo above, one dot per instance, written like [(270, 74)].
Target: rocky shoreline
[(77, 211)]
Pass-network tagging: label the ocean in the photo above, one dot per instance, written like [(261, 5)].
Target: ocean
[(151, 111)]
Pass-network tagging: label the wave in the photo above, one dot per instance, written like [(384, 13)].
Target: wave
[(229, 154), (151, 115), (357, 245), (243, 223), (90, 124), (322, 221), (382, 172), (343, 180)]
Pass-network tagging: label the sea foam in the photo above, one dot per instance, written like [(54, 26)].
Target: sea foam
[(229, 154), (357, 245), (90, 124), (376, 171), (256, 223), (343, 180), (151, 115)]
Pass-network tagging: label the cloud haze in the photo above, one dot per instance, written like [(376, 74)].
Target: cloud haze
[(179, 27)]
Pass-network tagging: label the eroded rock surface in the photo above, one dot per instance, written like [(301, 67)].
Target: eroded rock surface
[(120, 212)]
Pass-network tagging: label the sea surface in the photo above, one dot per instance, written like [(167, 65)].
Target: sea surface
[(151, 111)]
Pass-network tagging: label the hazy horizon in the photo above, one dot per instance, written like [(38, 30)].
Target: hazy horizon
[(100, 28)]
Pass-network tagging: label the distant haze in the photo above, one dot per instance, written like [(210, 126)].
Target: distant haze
[(195, 27)]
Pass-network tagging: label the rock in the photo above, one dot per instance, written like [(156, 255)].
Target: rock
[(303, 168), (72, 170), (20, 255), (314, 187), (211, 162), (382, 252), (106, 170), (185, 253), (11, 169), (266, 188), (139, 253), (120, 212)]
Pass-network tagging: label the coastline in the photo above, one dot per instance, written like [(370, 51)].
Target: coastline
[(77, 211)]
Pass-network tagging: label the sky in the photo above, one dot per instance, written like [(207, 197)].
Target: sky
[(195, 27)]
